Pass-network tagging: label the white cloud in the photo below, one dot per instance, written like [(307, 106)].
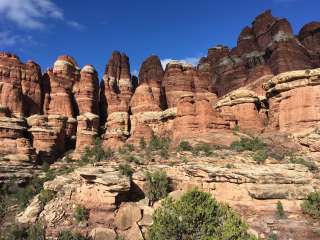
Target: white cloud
[(192, 60), (75, 25), (32, 14), (29, 13)]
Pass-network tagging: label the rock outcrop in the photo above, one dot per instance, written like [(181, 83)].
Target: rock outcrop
[(116, 94), (293, 100), (19, 85), (268, 47), (86, 91), (241, 108)]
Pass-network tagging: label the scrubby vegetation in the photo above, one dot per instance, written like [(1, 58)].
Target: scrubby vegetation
[(196, 215), (273, 236), (19, 232), (81, 213), (280, 211), (311, 205), (95, 154), (68, 235), (184, 146), (125, 170), (156, 186), (248, 144), (203, 149), (46, 195), (260, 156), (296, 159)]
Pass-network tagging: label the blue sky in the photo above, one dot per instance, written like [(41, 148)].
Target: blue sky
[(172, 29)]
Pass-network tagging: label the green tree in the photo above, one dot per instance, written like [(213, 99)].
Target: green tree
[(311, 205), (197, 216)]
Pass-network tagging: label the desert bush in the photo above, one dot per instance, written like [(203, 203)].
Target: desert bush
[(273, 236), (125, 170), (98, 153), (260, 156), (184, 146), (311, 205), (248, 144), (81, 213), (20, 232), (204, 148), (196, 215), (230, 165), (184, 159), (280, 211), (293, 158), (131, 159), (158, 143), (164, 153), (46, 195), (68, 235), (156, 186)]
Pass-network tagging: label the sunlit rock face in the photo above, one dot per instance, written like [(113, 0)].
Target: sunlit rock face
[(293, 100), (20, 89), (86, 91), (267, 47), (116, 93)]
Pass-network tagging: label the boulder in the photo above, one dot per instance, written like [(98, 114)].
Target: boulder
[(127, 216), (101, 233)]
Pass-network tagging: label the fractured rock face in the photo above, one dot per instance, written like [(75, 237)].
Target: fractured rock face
[(293, 100), (62, 77), (19, 85), (87, 130), (241, 108), (17, 155), (48, 135), (268, 47), (116, 95), (87, 90), (151, 73)]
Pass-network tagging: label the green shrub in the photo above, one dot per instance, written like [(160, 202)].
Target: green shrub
[(229, 165), (132, 159), (196, 215), (184, 159), (311, 205), (36, 232), (98, 153), (125, 170), (142, 143), (3, 205), (164, 153), (156, 186), (260, 156), (85, 157), (46, 195), (158, 143), (280, 211), (204, 148), (20, 232), (68, 235), (248, 144), (184, 146), (81, 213), (273, 236), (299, 160)]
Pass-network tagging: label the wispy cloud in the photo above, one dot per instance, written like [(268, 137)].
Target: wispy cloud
[(76, 25), (29, 13), (33, 14), (8, 39), (192, 60)]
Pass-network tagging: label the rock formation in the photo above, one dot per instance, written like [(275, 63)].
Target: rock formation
[(293, 100), (19, 85), (116, 94), (86, 91), (241, 109)]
